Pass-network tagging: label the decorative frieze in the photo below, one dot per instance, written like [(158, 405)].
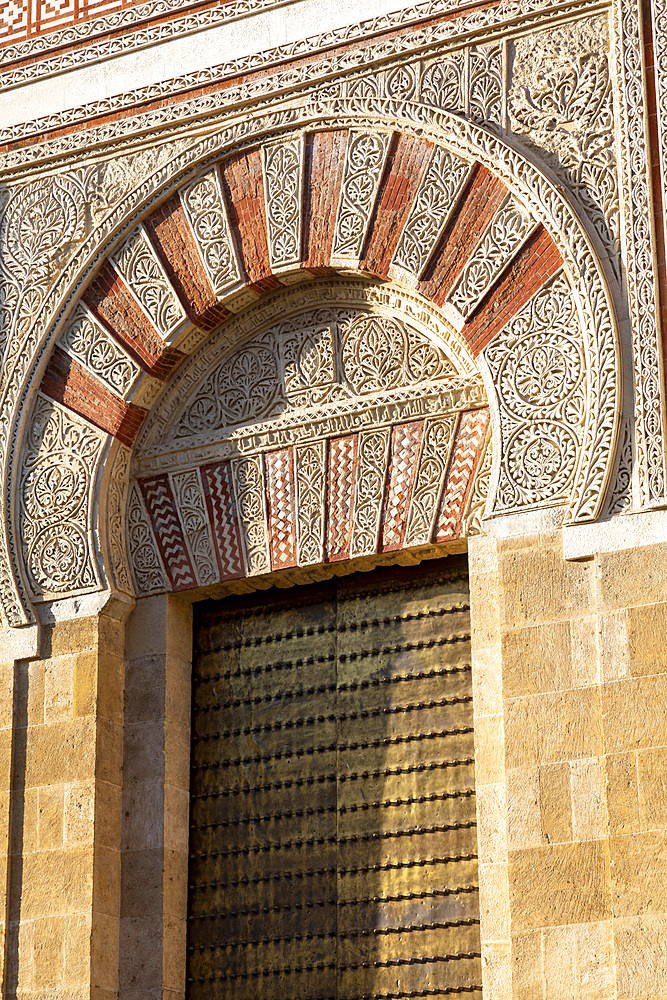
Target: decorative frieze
[(268, 512)]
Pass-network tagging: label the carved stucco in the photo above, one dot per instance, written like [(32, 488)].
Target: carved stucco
[(560, 105), (110, 181)]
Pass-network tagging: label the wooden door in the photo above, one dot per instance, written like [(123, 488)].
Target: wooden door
[(333, 838)]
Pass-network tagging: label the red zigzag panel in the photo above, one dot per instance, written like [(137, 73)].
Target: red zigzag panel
[(466, 453), (403, 461), (161, 508), (219, 492), (279, 467), (340, 495)]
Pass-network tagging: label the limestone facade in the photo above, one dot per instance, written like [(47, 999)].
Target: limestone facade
[(290, 291)]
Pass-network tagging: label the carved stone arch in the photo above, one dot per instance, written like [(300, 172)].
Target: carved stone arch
[(504, 260)]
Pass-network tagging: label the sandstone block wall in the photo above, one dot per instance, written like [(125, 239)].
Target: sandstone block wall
[(571, 724), (61, 760), (570, 709)]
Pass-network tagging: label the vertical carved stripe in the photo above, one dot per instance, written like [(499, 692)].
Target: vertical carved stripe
[(466, 453), (403, 454), (248, 478), (310, 479), (432, 466), (189, 497), (147, 571), (161, 507), (56, 486), (371, 474), (279, 469), (283, 168), (640, 272), (223, 517), (341, 478), (117, 501)]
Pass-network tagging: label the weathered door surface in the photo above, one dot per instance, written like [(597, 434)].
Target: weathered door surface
[(333, 839)]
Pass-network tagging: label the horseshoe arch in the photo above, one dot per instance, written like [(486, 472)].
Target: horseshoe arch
[(325, 260)]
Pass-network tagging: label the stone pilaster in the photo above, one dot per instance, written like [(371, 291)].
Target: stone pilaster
[(156, 799)]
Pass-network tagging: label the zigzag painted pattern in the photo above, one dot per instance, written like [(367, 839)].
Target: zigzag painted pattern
[(168, 531), (340, 494), (219, 493), (466, 453), (281, 506), (403, 455)]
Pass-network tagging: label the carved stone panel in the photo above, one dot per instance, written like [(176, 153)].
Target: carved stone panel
[(440, 188), (86, 340), (139, 266), (560, 103), (366, 154), (56, 488), (282, 188), (508, 229), (207, 214), (538, 368)]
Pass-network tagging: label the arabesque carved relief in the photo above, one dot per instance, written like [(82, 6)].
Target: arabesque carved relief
[(560, 103), (300, 375)]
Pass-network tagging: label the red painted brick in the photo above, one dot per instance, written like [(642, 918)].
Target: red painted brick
[(325, 161), (69, 383), (537, 261), (406, 163), (110, 300), (175, 245), (480, 200), (243, 188)]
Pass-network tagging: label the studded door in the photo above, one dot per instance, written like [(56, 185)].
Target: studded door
[(333, 838)]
